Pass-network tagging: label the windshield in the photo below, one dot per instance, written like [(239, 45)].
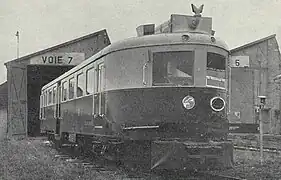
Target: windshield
[(216, 70), (173, 68)]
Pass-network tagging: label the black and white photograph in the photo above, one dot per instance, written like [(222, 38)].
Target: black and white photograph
[(140, 90)]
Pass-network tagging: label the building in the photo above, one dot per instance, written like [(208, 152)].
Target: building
[(247, 83), (3, 109), (26, 76)]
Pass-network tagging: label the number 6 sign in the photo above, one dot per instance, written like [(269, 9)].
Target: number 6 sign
[(239, 61)]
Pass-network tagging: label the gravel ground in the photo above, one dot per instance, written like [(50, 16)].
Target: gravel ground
[(33, 160), (247, 165)]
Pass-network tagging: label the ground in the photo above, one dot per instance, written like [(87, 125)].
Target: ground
[(32, 160), (247, 165)]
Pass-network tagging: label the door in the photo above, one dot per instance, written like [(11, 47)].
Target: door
[(17, 105), (99, 106), (57, 112)]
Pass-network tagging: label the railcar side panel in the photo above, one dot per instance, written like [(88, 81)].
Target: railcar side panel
[(49, 123), (77, 115), (124, 69)]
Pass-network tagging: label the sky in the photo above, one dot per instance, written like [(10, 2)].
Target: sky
[(43, 24)]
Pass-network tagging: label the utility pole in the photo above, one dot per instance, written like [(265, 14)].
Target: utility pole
[(18, 43), (261, 107)]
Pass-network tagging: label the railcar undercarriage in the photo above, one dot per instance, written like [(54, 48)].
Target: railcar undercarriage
[(162, 154)]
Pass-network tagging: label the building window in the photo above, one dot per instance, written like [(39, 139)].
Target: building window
[(90, 81), (80, 84), (71, 88), (216, 70), (64, 91), (173, 68)]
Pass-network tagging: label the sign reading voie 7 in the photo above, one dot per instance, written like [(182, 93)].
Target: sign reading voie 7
[(58, 59), (239, 61)]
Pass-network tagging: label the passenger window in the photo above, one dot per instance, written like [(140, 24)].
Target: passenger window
[(41, 107), (90, 81), (45, 99), (80, 84), (173, 68), (101, 77), (216, 75), (64, 91), (41, 100), (54, 95), (71, 88), (44, 104), (50, 97), (215, 61)]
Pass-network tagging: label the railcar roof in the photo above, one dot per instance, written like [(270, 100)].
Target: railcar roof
[(145, 41), (164, 39)]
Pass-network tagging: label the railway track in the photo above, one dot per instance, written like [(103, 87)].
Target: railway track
[(254, 148), (88, 162)]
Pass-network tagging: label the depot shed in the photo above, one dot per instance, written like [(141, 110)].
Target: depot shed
[(3, 110), (27, 75), (247, 83)]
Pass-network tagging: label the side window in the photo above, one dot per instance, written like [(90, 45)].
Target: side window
[(80, 85), (41, 107), (44, 103), (41, 101), (54, 95), (45, 98), (71, 88), (50, 96), (216, 75), (59, 96), (100, 78), (90, 81), (64, 91)]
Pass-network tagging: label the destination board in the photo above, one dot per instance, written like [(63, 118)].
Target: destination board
[(58, 59)]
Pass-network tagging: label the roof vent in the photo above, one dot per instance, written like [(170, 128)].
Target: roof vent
[(146, 29)]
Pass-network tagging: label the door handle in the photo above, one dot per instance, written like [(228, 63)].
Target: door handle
[(143, 74)]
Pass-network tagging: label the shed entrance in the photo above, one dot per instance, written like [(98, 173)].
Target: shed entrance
[(37, 77)]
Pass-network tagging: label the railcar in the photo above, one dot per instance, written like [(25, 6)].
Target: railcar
[(158, 100)]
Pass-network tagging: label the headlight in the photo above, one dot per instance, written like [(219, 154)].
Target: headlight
[(217, 103), (188, 102)]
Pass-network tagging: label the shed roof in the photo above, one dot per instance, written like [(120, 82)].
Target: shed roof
[(59, 46), (252, 43)]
